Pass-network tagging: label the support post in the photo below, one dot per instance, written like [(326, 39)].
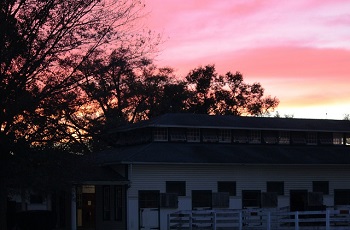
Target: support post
[(190, 220), (268, 227), (296, 220), (73, 209), (214, 220), (328, 220), (240, 221)]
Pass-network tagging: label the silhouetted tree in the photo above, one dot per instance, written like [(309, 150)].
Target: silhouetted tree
[(43, 45), (226, 94)]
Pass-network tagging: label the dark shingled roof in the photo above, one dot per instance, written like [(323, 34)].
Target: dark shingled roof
[(88, 171), (237, 122), (206, 153)]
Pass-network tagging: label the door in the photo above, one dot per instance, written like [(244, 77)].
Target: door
[(149, 202), (86, 202), (298, 200), (88, 210)]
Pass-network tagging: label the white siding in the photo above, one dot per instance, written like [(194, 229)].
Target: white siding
[(153, 177), (247, 177)]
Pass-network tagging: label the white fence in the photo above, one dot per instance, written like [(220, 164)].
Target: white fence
[(259, 219)]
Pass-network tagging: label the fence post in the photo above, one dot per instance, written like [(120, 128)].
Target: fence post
[(268, 227), (214, 220), (240, 221), (296, 220), (190, 221), (328, 220)]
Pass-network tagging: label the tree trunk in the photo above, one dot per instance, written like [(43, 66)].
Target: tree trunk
[(3, 205)]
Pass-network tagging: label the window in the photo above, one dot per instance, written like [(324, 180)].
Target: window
[(338, 139), (210, 135), (149, 199), (255, 137), (178, 135), (225, 136), (160, 134), (275, 186), (320, 186), (325, 138), (240, 136), (118, 202), (201, 199), (341, 196), (298, 138), (251, 198), (284, 138), (347, 139), (311, 138), (193, 135), (177, 187), (106, 202), (227, 186), (270, 137)]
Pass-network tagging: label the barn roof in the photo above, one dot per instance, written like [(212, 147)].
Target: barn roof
[(216, 153), (187, 120)]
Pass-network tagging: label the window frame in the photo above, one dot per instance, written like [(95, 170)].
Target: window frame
[(298, 138), (160, 134), (311, 138), (193, 135), (240, 136), (254, 137), (318, 186), (178, 135), (338, 139), (227, 186), (284, 137), (270, 137), (177, 187), (225, 136), (210, 135)]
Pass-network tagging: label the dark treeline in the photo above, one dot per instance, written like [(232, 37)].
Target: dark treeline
[(71, 70)]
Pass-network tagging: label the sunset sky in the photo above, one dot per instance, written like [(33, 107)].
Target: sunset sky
[(298, 50)]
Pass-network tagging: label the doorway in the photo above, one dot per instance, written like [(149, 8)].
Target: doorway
[(149, 209), (86, 204)]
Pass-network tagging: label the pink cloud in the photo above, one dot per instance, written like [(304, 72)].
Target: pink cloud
[(298, 50)]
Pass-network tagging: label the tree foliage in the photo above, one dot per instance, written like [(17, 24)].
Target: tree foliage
[(44, 45), (70, 70), (226, 94)]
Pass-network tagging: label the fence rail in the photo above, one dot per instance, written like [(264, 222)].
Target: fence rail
[(259, 219)]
